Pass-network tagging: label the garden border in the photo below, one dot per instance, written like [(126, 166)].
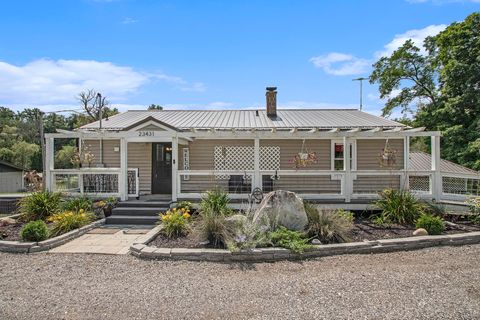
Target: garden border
[(143, 251), (31, 247)]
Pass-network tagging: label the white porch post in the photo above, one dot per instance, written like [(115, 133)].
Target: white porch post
[(49, 163), (406, 163), (437, 187), (347, 182), (257, 178), (123, 177), (174, 167)]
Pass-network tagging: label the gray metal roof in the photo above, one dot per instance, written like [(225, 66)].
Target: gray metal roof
[(248, 119), (421, 161)]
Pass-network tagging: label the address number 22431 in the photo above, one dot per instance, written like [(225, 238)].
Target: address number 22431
[(146, 133)]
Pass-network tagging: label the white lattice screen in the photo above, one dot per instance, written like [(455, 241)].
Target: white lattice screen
[(419, 183), (242, 158)]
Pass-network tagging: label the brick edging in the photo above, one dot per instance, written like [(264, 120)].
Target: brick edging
[(31, 247), (142, 250)]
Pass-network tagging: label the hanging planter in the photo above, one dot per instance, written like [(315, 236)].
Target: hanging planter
[(388, 156), (304, 158)]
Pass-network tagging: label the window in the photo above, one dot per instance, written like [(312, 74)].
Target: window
[(337, 155)]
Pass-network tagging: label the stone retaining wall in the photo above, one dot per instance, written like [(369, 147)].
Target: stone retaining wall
[(30, 247), (142, 250)]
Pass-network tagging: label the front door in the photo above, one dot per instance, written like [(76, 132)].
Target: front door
[(161, 168)]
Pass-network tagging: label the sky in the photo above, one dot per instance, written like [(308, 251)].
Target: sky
[(209, 54)]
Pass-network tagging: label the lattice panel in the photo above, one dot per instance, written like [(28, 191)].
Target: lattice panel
[(241, 158), (462, 186), (419, 183), (270, 158)]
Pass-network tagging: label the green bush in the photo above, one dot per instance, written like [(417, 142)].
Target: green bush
[(293, 240), (434, 225), (175, 222), (435, 209), (75, 204), (69, 220), (187, 205), (399, 206), (39, 205), (34, 231), (330, 226), (215, 201)]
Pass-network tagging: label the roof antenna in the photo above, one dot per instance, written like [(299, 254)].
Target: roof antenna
[(361, 90)]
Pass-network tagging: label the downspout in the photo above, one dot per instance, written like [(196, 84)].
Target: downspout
[(99, 96)]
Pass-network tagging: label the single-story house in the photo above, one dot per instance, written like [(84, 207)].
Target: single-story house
[(11, 178), (341, 155)]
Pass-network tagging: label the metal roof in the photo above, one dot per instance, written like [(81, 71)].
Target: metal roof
[(249, 119), (421, 161)]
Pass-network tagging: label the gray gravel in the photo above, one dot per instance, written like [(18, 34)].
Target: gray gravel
[(436, 283)]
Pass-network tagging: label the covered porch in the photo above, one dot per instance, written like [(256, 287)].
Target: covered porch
[(152, 159)]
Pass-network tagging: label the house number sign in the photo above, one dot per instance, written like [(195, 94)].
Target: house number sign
[(146, 133), (186, 162)]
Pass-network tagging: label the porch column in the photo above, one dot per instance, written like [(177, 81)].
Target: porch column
[(347, 181), (49, 163), (437, 187), (123, 176), (174, 167), (257, 177), (406, 163)]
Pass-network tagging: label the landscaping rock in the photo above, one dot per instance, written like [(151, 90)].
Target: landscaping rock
[(316, 241), (420, 232), (7, 221), (283, 208)]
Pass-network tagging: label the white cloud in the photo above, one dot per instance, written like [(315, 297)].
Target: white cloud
[(416, 35), (341, 64), (46, 82), (128, 20)]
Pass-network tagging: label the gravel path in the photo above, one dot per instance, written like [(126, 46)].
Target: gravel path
[(436, 283)]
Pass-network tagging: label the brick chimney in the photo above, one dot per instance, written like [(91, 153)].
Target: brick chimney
[(271, 102)]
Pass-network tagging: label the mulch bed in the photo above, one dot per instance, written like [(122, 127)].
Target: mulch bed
[(363, 230), (11, 232)]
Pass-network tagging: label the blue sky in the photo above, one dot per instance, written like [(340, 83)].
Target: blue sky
[(208, 54)]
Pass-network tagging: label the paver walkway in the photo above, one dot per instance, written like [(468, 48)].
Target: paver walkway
[(103, 240)]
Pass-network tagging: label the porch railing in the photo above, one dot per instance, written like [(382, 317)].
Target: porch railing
[(324, 184), (94, 182)]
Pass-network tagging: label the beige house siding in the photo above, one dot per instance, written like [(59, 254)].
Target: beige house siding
[(375, 184), (111, 158), (140, 156), (369, 150), (289, 148)]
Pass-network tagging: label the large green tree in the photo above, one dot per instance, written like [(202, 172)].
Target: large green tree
[(441, 88)]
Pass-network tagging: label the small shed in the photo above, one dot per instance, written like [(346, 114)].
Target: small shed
[(11, 177)]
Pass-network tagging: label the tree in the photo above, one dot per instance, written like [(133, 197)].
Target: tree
[(441, 88), (23, 153), (91, 102), (155, 107), (64, 156)]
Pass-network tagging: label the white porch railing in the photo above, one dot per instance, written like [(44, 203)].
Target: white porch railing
[(93, 182), (323, 184)]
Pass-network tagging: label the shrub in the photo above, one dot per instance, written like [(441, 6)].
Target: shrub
[(34, 231), (69, 220), (247, 234), (330, 226), (39, 205), (185, 205), (175, 222), (435, 209), (474, 205), (399, 206), (215, 201), (215, 228), (75, 204), (433, 225), (293, 240)]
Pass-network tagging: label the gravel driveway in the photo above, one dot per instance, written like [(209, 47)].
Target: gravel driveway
[(436, 283)]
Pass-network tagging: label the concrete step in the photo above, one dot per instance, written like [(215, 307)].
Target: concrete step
[(141, 211), (131, 220), (143, 204)]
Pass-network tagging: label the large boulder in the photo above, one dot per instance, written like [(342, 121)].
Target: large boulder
[(283, 208)]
